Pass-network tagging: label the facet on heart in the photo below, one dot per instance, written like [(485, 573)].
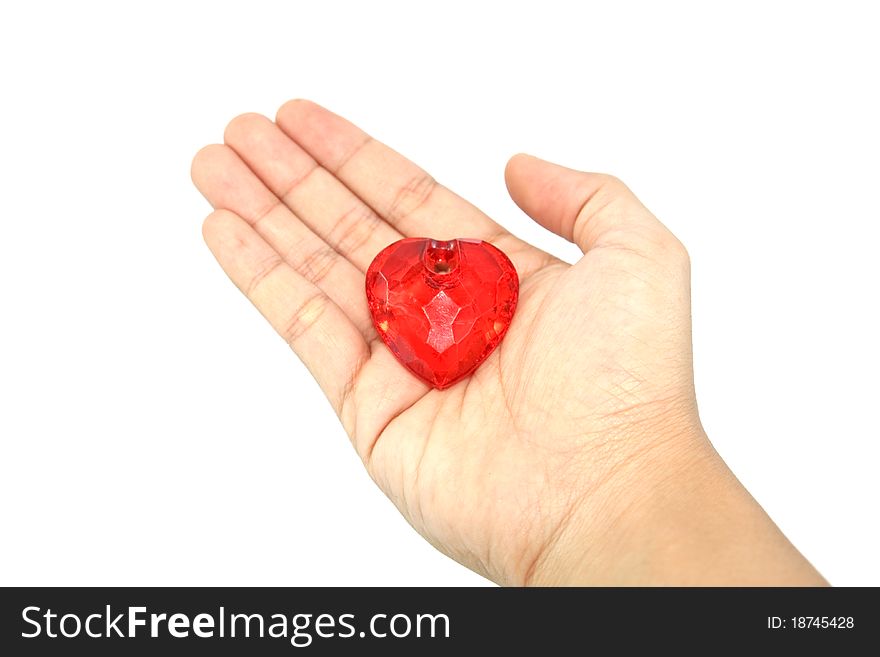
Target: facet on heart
[(441, 307)]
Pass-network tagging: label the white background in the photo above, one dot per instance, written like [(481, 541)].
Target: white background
[(155, 431)]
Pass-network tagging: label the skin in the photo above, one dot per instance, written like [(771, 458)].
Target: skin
[(575, 453)]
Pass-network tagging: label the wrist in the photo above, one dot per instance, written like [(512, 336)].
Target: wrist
[(677, 516)]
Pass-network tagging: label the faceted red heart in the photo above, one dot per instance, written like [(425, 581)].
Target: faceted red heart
[(441, 307)]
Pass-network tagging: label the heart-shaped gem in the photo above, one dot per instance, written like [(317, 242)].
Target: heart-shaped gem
[(441, 307)]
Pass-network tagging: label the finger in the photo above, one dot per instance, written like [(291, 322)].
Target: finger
[(312, 193), (589, 209), (318, 331), (398, 190), (229, 184)]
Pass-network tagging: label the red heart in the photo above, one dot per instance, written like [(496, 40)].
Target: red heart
[(441, 307)]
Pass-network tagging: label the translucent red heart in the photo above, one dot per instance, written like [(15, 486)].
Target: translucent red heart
[(441, 307)]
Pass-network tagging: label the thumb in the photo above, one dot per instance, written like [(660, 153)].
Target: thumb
[(589, 209)]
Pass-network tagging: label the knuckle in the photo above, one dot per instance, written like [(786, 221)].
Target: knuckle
[(353, 229), (351, 156), (610, 185), (672, 251), (411, 196), (299, 180), (610, 179), (682, 255), (265, 269), (682, 252), (317, 263), (264, 214)]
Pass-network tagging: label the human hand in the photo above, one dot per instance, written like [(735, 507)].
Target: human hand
[(575, 453)]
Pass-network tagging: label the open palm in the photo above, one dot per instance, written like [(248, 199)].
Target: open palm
[(550, 435)]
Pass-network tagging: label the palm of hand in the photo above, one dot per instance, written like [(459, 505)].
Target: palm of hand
[(595, 366)]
